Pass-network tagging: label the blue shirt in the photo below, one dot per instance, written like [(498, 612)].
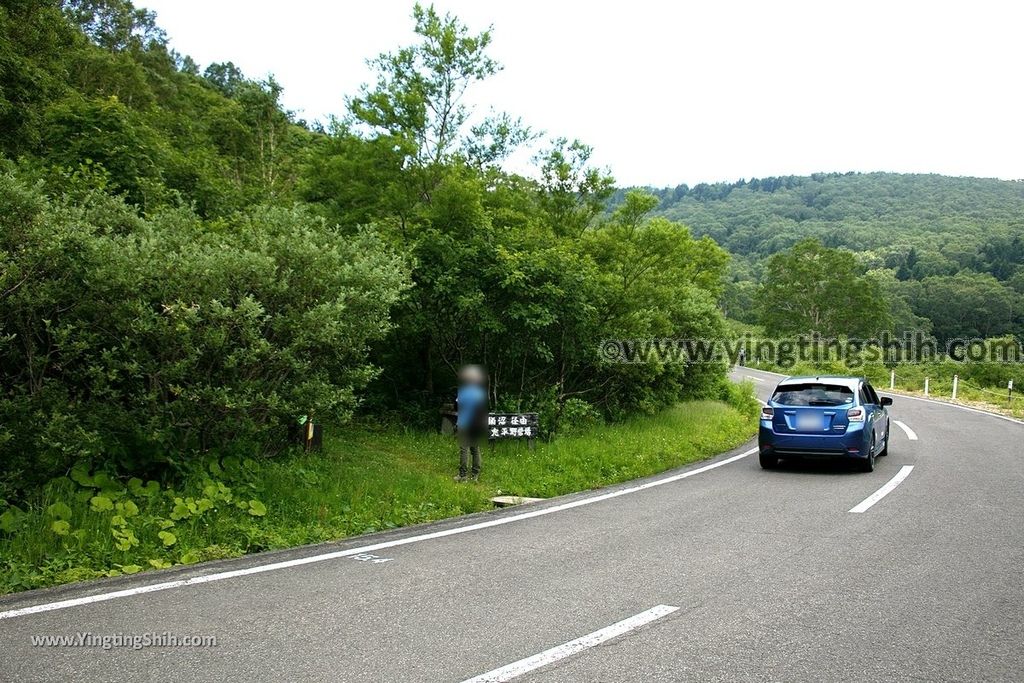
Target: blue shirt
[(470, 398)]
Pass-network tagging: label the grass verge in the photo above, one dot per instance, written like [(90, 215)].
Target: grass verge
[(89, 524)]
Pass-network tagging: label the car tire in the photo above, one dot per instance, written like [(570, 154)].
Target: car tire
[(868, 463), (888, 432), (768, 462)]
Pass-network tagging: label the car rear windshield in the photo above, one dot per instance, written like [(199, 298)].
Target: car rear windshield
[(813, 394)]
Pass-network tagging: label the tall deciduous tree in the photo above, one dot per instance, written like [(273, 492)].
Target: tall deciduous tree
[(115, 24), (418, 101), (812, 289), (417, 98), (574, 191)]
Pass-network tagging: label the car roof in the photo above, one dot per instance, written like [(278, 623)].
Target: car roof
[(841, 380)]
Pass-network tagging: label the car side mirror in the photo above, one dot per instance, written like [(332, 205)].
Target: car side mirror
[(886, 401)]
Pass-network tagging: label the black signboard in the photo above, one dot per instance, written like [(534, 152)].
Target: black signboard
[(512, 426)]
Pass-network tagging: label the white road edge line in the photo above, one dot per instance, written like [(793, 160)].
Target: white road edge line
[(220, 576), (911, 434), (1007, 418), (881, 493), (516, 669)]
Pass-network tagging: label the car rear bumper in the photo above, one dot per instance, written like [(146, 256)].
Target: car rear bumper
[(851, 444)]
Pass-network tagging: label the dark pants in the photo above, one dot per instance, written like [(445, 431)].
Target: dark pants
[(469, 444)]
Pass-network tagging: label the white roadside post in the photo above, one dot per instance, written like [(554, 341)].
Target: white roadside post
[(925, 386), (892, 379), (1009, 393), (956, 380)]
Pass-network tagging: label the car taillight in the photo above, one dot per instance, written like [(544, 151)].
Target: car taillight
[(767, 413), (855, 414)]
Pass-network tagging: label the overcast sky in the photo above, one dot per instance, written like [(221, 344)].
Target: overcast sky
[(671, 92)]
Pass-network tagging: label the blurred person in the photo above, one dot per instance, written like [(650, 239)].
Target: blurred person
[(471, 420)]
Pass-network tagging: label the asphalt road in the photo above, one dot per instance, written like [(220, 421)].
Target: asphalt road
[(773, 577)]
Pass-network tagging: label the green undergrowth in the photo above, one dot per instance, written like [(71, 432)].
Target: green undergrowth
[(90, 524)]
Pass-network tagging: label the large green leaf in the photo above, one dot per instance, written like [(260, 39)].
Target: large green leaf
[(59, 511)]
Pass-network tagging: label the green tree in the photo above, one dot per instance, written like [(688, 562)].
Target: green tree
[(812, 289), (418, 97), (574, 191), (115, 25), (418, 101), (655, 281)]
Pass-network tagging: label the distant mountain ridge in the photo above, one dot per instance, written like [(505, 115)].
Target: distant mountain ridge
[(922, 224), (951, 248)]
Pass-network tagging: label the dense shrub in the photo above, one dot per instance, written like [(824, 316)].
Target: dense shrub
[(148, 340)]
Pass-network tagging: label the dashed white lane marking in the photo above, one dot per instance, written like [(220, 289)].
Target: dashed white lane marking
[(220, 576), (881, 493), (911, 434), (516, 669), (756, 379)]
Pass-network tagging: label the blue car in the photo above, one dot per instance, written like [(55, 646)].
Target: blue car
[(840, 417)]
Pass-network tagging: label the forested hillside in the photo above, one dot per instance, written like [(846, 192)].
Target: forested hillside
[(950, 249), (92, 97)]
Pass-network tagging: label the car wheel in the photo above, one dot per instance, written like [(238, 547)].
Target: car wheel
[(868, 464), (768, 462), (885, 451)]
